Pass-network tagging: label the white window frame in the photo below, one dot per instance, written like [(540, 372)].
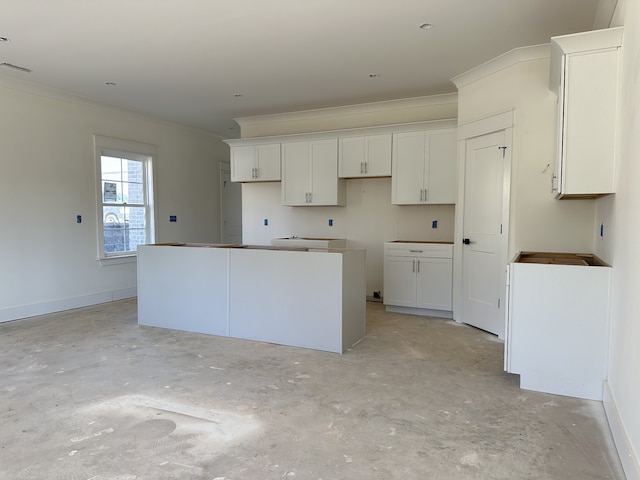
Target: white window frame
[(115, 147)]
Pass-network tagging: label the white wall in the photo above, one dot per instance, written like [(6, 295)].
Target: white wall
[(48, 261), (619, 247), (367, 221), (538, 222)]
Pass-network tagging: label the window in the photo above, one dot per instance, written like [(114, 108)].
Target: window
[(125, 197)]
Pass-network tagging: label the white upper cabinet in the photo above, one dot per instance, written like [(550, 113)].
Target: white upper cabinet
[(584, 75), (310, 174), (364, 156), (255, 163), (424, 167)]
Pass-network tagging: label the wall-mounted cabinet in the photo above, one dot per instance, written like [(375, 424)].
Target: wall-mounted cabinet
[(364, 156), (420, 157), (584, 75), (424, 167), (255, 163), (310, 174)]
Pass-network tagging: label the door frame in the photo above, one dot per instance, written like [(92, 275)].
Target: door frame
[(484, 126), (224, 167)]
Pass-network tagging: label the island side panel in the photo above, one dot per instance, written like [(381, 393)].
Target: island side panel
[(184, 288), (354, 294), (287, 297)]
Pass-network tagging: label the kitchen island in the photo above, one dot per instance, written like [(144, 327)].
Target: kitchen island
[(304, 297)]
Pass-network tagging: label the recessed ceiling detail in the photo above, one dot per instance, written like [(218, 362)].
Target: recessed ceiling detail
[(4, 40), (426, 26)]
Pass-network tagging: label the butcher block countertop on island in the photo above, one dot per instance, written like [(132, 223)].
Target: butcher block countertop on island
[(298, 296)]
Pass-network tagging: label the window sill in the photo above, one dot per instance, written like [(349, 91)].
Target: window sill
[(117, 260)]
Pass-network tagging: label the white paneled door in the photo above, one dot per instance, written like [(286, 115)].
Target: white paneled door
[(483, 272)]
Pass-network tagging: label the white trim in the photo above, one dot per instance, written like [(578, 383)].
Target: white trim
[(364, 108), (512, 57), (423, 312), (349, 132), (628, 458), (32, 310), (486, 125)]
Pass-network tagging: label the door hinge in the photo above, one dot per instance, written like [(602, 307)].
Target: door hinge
[(504, 149), (500, 229), (498, 303)]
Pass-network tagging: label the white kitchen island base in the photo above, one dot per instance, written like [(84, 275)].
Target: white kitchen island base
[(312, 298)]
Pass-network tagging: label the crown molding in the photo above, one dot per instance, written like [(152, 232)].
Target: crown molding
[(349, 110), (512, 57), (347, 132)]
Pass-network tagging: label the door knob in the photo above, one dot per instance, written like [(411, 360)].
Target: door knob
[(466, 241)]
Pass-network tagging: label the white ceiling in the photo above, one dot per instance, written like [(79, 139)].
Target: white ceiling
[(185, 60)]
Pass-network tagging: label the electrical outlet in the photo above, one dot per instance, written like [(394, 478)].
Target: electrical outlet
[(173, 218), (78, 218), (266, 222), (434, 224), (331, 222)]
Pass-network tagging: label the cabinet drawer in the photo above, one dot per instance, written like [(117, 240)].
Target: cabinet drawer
[(430, 250)]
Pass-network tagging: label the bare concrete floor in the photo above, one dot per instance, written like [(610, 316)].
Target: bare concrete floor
[(89, 394)]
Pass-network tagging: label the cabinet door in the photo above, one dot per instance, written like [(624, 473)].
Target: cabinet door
[(325, 186), (351, 157), (589, 123), (367, 156), (295, 173), (434, 283), (441, 175), (378, 156), (243, 162), (399, 281), (268, 162), (408, 168)]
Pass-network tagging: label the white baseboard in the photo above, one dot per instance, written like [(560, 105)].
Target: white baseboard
[(425, 312), (24, 311), (628, 458)]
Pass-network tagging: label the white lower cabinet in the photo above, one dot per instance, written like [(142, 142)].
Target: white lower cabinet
[(418, 276), (557, 324)]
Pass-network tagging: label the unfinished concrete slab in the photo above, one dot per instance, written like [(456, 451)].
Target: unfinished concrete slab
[(89, 394)]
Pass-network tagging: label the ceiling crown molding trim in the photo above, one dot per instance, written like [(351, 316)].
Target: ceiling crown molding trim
[(512, 57), (359, 109)]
